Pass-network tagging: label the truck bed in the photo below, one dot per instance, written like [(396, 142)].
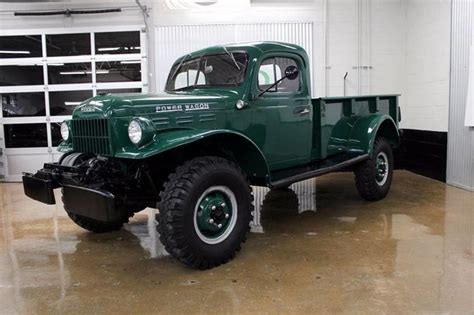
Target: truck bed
[(334, 117), (335, 134)]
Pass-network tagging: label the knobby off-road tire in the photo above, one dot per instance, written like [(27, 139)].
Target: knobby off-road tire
[(85, 222), (96, 226), (373, 177), (205, 209)]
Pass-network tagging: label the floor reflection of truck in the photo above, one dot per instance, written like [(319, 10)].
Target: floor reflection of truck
[(230, 116)]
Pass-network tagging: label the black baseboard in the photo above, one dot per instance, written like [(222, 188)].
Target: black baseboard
[(423, 152)]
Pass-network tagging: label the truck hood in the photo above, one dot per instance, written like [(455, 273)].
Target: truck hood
[(122, 105)]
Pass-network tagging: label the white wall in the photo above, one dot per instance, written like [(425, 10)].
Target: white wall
[(460, 168), (386, 44), (256, 14), (193, 37), (342, 47), (405, 43), (366, 40), (426, 76)]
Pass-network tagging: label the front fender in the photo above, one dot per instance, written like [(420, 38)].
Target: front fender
[(166, 141), (368, 128), (246, 153)]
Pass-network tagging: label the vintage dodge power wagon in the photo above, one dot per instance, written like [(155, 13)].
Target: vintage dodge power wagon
[(231, 116)]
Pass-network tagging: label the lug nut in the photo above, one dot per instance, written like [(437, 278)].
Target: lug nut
[(211, 221), (223, 204), (219, 225), (226, 215), (213, 208)]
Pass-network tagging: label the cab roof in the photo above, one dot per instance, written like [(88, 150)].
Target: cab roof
[(255, 47)]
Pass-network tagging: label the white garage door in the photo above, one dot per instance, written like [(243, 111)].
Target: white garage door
[(44, 75), (172, 42)]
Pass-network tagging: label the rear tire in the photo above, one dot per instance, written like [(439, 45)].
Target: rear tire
[(205, 211), (373, 177)]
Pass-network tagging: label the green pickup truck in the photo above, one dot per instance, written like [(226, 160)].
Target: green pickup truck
[(231, 116)]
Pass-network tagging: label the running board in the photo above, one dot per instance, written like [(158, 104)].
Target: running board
[(315, 173)]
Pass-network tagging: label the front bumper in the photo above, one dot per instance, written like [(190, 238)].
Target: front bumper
[(93, 203), (39, 189)]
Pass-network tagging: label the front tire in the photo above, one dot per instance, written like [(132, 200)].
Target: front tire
[(373, 177), (76, 158), (205, 211), (95, 225)]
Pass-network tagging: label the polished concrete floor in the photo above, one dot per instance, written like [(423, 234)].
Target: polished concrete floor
[(412, 252)]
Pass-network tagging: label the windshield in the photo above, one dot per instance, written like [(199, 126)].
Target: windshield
[(217, 70)]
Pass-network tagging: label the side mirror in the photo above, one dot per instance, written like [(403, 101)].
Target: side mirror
[(291, 72)]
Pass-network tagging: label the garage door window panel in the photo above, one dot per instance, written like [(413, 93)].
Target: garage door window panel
[(56, 134), (27, 74), (113, 43), (118, 71), (119, 91), (68, 45), (69, 73), (63, 102), (23, 104), (28, 46), (25, 135)]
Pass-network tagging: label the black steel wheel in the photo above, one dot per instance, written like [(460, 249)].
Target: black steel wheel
[(373, 177), (205, 209)]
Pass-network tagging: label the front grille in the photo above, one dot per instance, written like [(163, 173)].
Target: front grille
[(91, 135)]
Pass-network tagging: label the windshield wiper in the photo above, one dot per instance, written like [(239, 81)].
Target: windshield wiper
[(180, 64), (193, 86), (233, 58)]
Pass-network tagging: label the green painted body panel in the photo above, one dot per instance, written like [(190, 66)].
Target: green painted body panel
[(272, 132), (250, 157), (350, 124)]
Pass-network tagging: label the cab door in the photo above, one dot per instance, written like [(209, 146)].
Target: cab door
[(283, 115)]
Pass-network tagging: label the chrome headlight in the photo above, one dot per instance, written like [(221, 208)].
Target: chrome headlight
[(65, 131), (141, 131), (135, 132)]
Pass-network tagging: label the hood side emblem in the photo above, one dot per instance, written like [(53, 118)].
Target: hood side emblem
[(87, 108), (181, 107)]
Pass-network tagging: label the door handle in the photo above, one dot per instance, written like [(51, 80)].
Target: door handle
[(303, 111)]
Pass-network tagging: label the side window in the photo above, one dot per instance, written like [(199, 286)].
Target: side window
[(188, 77), (272, 70)]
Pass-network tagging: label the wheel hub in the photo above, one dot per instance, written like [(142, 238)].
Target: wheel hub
[(381, 168), (214, 214)]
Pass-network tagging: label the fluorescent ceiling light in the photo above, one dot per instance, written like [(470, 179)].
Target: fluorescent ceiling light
[(117, 48), (130, 62), (56, 64), (74, 72), (15, 52), (82, 72), (109, 48), (72, 103)]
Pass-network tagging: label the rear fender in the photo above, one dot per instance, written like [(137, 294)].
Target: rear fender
[(368, 128)]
